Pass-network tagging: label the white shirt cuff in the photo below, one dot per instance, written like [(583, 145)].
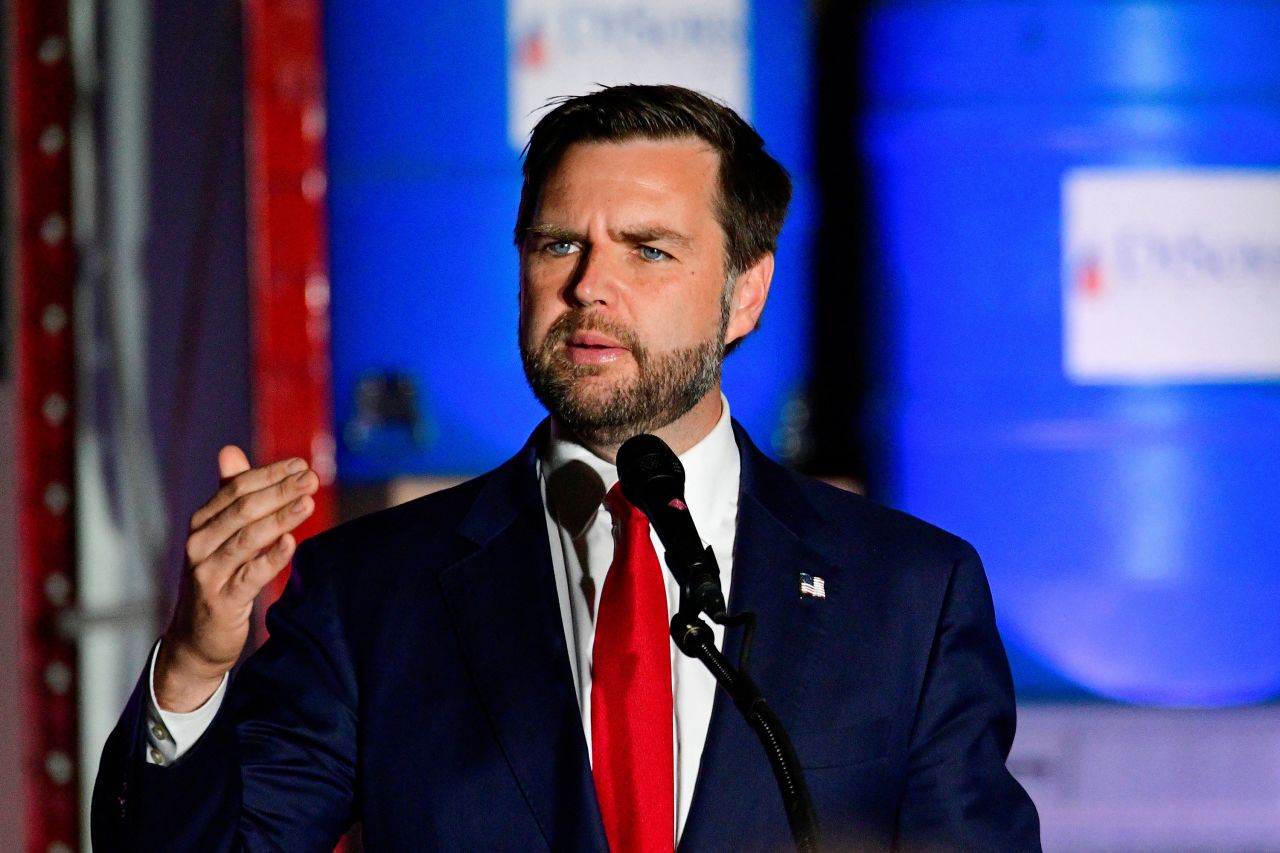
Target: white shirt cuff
[(170, 734)]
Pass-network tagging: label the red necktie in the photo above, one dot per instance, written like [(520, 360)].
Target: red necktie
[(631, 718)]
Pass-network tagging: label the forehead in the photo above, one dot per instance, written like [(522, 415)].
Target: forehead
[(681, 172)]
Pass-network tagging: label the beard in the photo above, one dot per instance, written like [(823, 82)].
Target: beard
[(666, 385)]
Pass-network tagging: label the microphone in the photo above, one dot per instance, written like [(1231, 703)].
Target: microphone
[(652, 479)]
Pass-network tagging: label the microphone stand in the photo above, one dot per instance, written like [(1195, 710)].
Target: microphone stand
[(652, 479), (693, 637)]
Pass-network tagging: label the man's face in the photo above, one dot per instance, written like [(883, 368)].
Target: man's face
[(624, 309)]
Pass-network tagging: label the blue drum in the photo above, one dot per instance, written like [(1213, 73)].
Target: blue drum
[(1080, 274)]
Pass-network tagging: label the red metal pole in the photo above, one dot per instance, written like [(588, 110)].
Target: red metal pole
[(289, 269), (42, 94), (289, 263)]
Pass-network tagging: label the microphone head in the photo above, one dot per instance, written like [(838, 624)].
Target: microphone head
[(650, 474)]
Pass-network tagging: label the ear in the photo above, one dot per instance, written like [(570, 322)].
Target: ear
[(750, 290)]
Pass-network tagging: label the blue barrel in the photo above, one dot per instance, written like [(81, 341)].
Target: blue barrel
[(423, 187), (1128, 510)]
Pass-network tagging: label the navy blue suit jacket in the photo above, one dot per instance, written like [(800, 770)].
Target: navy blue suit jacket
[(417, 680)]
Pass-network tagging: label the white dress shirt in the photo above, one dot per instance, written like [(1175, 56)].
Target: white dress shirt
[(582, 548), (580, 530)]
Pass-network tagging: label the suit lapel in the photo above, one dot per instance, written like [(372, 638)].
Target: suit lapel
[(503, 603), (735, 791)]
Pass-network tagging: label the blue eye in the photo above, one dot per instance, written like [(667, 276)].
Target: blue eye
[(560, 248), (651, 254)]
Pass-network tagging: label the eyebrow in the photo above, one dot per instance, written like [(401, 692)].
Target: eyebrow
[(554, 232), (641, 233), (647, 233)]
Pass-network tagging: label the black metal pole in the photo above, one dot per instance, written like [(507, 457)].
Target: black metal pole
[(694, 638)]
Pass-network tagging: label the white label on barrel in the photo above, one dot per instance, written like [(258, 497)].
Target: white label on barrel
[(568, 47), (1171, 275)]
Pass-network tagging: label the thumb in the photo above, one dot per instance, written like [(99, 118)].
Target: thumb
[(231, 461)]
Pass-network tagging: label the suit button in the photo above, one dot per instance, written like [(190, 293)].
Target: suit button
[(157, 756)]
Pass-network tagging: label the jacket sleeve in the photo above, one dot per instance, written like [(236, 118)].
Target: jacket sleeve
[(275, 769), (959, 794)]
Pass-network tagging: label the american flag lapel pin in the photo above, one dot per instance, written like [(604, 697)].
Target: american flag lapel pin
[(812, 586)]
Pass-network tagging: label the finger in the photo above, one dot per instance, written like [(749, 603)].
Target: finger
[(231, 461), (246, 510), (258, 572), (245, 483), (246, 542)]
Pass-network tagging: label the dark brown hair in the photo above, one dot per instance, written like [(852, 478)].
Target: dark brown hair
[(754, 188)]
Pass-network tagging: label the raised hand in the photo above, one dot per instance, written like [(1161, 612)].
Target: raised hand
[(238, 542)]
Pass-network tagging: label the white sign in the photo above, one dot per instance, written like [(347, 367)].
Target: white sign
[(569, 47), (1171, 275)]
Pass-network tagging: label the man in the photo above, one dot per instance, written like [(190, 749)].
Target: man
[(488, 667)]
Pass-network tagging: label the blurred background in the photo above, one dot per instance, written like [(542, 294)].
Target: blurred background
[(1029, 290)]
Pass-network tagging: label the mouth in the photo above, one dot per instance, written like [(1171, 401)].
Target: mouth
[(593, 340), (590, 347)]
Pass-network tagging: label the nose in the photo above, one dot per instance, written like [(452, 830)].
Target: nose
[(594, 282)]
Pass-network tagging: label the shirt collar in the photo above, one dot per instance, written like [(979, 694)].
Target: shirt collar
[(706, 465)]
